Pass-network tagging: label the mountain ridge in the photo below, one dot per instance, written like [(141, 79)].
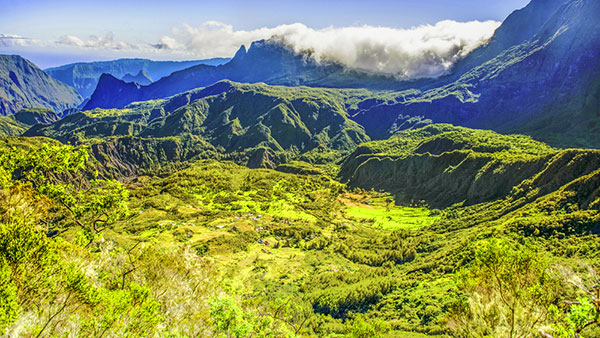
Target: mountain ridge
[(84, 76), (267, 61), (545, 86), (24, 85)]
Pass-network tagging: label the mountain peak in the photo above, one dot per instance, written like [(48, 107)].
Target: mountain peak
[(108, 85), (141, 78), (240, 54)]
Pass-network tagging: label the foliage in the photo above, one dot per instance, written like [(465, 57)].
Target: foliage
[(509, 291), (56, 173), (211, 248), (232, 321)]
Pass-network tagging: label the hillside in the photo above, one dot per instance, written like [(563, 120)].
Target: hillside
[(10, 127), (444, 165), (272, 195), (546, 86), (24, 85), (329, 258), (237, 120), (84, 76), (537, 75), (34, 116)]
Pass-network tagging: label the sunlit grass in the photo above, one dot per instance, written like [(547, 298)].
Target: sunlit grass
[(393, 218)]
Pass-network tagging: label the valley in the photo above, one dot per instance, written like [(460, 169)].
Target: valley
[(279, 193)]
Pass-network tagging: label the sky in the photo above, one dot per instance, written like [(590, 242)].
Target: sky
[(56, 32)]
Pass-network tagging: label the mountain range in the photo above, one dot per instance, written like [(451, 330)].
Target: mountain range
[(546, 85), (538, 74), (84, 76), (268, 61)]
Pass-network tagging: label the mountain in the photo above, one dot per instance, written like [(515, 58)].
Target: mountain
[(10, 127), (445, 165), (547, 86), (84, 76), (19, 122), (111, 89), (539, 75), (142, 78), (520, 26), (24, 85), (261, 124), (268, 61)]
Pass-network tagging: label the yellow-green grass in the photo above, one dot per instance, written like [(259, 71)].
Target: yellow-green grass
[(392, 218)]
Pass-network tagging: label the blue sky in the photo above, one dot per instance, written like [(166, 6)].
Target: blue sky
[(134, 22)]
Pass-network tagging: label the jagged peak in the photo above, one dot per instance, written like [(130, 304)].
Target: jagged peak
[(106, 77), (240, 53)]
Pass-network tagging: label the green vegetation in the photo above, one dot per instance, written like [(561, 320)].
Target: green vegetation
[(393, 218), (252, 124), (206, 247), (10, 127)]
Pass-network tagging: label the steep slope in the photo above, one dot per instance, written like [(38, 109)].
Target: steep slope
[(270, 62), (547, 86), (141, 78), (445, 165), (117, 92), (240, 116), (19, 122), (84, 76), (520, 26), (24, 85)]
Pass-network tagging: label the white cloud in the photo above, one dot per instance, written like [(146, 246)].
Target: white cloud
[(12, 40), (423, 51), (428, 50), (106, 42)]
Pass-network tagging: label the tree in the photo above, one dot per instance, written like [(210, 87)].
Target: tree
[(56, 173), (230, 320), (506, 290), (576, 319), (42, 187)]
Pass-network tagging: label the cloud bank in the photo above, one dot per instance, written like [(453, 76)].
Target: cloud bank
[(423, 51)]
